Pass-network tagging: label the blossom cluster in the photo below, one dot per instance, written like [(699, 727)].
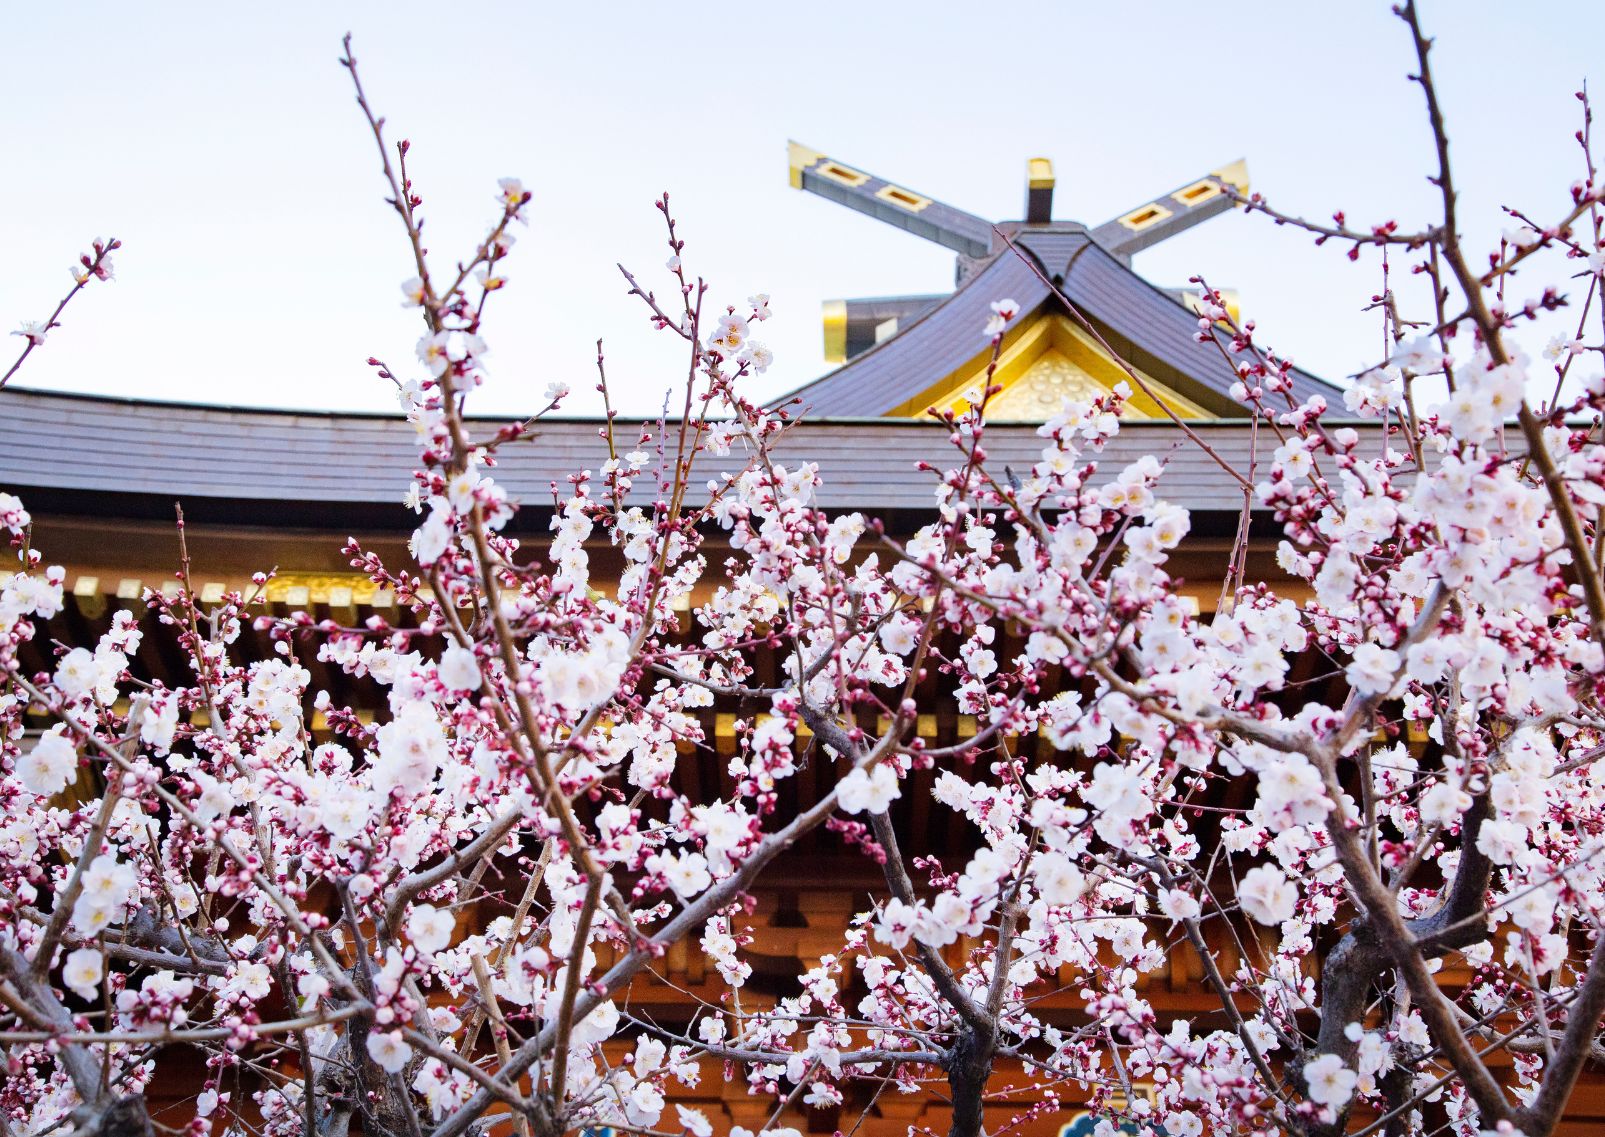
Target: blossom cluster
[(1389, 757)]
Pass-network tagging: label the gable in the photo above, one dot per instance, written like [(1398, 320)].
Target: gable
[(1046, 359)]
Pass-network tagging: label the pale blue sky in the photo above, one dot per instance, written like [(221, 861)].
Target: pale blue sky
[(221, 144)]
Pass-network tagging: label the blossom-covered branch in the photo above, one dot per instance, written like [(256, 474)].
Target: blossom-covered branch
[(437, 918)]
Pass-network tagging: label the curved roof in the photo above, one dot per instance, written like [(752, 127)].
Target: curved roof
[(933, 345), (1144, 324), (97, 455)]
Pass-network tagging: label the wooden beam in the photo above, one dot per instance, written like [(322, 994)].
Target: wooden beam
[(817, 173), (1153, 221)]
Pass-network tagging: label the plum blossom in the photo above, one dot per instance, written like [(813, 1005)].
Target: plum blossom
[(622, 738), (433, 537), (731, 335), (1179, 905), (870, 791), (1445, 803), (1330, 1082), (430, 928), (1002, 312), (694, 1122), (686, 873), (1266, 895), (458, 669), (50, 765), (895, 923), (390, 1050), (82, 972), (1372, 669), (107, 886), (1374, 393), (1059, 882)]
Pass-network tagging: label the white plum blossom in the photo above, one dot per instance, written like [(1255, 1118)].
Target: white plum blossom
[(1059, 882), (872, 791), (694, 1121), (1266, 895), (731, 336), (686, 873), (411, 749), (1374, 393), (895, 923), (1002, 312), (459, 669), (613, 790), (1445, 803), (1179, 905), (1372, 669), (390, 1050), (1330, 1082), (82, 972), (107, 887), (430, 928), (51, 764), (432, 538)]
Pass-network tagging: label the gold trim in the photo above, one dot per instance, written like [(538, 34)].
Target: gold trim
[(799, 158), (1199, 192), (1031, 341), (1039, 173), (835, 319), (902, 198), (1146, 216), (840, 174), (1039, 392), (337, 589), (87, 595), (1234, 175)]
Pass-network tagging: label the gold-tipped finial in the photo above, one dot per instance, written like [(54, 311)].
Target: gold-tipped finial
[(799, 158), (1038, 191), (1234, 175), (835, 314)]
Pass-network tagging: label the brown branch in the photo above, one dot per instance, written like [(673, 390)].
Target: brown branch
[(1381, 235), (80, 1064), (65, 901), (645, 951), (1471, 286), (93, 268), (1131, 372), (1576, 1047)]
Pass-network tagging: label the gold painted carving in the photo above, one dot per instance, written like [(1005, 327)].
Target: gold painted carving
[(1041, 391)]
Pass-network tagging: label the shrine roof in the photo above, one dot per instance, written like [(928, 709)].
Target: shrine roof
[(899, 355), (104, 455)]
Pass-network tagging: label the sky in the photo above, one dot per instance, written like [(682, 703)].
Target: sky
[(261, 266)]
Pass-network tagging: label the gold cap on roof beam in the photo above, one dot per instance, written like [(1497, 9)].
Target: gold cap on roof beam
[(1038, 191)]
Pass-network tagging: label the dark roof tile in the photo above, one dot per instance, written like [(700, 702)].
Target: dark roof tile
[(99, 451)]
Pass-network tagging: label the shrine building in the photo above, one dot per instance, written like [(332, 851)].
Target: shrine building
[(282, 490)]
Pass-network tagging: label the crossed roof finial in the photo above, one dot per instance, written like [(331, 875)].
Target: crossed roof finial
[(901, 354), (968, 235)]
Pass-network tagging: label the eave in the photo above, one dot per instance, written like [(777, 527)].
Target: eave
[(134, 458)]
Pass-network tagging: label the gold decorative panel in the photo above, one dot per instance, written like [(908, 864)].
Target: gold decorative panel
[(1046, 359), (1039, 393), (321, 588)]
